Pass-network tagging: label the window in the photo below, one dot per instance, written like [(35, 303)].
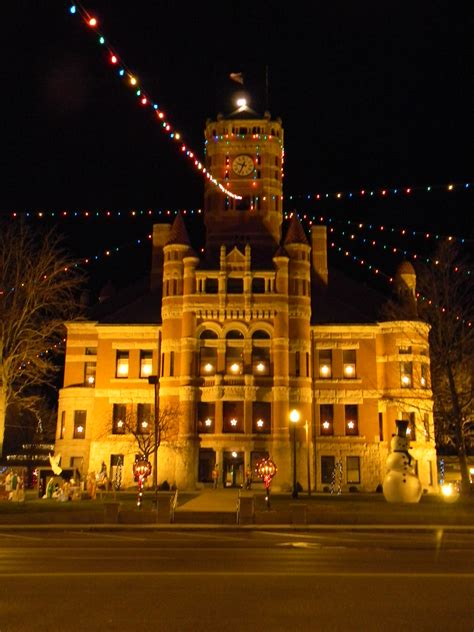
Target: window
[(208, 361), (62, 425), (92, 351), (146, 363), (406, 374), (171, 363), (235, 286), (233, 417), (353, 469), (326, 419), (143, 418), (381, 426), (234, 361), (212, 286), (297, 363), (351, 419), (79, 424), (207, 463), (261, 361), (205, 417), (89, 373), (121, 366), (258, 286), (327, 468), (411, 428), (325, 363), (119, 419), (426, 426), (424, 376), (349, 363), (261, 417), (404, 349)]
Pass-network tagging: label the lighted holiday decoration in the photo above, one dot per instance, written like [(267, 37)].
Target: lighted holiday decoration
[(141, 471), (401, 484), (336, 478), (266, 470), (145, 100), (118, 474)]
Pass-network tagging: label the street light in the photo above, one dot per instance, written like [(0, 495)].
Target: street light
[(153, 379), (294, 418)]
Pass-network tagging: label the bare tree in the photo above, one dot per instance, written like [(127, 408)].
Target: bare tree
[(39, 283), (139, 425), (446, 302)]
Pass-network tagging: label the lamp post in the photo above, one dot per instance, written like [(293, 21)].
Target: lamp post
[(153, 379), (294, 418)]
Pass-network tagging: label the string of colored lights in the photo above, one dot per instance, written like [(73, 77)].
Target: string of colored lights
[(145, 100), (380, 192)]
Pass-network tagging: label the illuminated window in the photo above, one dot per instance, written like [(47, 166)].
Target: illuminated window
[(119, 419), (424, 376), (353, 469), (208, 361), (411, 429), (146, 363), (205, 417), (349, 363), (406, 374), (234, 361), (121, 366), (326, 419), (144, 420), (261, 360), (89, 373), (261, 417), (404, 349), (233, 417), (351, 419), (79, 424), (325, 363)]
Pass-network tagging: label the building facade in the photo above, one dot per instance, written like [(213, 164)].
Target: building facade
[(254, 327)]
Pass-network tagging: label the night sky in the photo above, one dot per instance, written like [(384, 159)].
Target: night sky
[(371, 94)]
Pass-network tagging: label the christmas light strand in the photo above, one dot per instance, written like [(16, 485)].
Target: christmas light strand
[(124, 72), (365, 193)]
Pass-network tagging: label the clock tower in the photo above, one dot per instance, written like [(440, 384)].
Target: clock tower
[(244, 153)]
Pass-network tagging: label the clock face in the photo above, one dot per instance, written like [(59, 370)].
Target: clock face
[(243, 165)]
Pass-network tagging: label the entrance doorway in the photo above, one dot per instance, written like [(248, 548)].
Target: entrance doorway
[(233, 469)]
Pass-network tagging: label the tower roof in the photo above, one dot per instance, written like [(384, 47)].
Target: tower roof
[(295, 233), (406, 268), (178, 233)]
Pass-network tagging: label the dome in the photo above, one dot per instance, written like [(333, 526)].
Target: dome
[(406, 268)]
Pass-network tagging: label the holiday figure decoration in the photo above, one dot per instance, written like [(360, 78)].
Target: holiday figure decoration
[(401, 484)]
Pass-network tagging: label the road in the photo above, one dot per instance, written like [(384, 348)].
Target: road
[(374, 580)]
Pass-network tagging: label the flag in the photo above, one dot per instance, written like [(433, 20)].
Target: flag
[(237, 76)]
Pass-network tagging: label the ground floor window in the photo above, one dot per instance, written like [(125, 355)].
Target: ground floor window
[(207, 462), (353, 469), (327, 468)]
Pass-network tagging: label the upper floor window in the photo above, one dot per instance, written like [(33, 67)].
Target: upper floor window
[(121, 365), (349, 363), (406, 374), (212, 286), (119, 419), (143, 418), (404, 349), (91, 351), (411, 428), (62, 426), (206, 417), (261, 360), (89, 373), (261, 417), (234, 361), (208, 361), (235, 285), (79, 424), (233, 417), (146, 363), (326, 419), (424, 376), (351, 419), (325, 363), (258, 285)]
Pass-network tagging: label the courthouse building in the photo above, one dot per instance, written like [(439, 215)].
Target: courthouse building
[(241, 334)]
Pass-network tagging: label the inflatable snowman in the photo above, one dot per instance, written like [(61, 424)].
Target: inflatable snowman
[(401, 485)]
